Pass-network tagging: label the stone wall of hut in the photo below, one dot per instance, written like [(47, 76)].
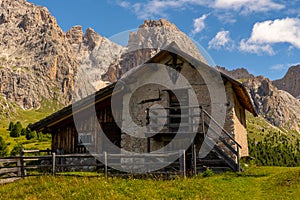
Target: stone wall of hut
[(234, 123)]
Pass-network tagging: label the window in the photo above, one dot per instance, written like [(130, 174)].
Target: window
[(85, 138)]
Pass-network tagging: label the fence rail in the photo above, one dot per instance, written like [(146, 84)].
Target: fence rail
[(22, 166)]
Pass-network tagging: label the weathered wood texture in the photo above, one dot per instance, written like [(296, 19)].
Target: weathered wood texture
[(65, 134), (56, 165)]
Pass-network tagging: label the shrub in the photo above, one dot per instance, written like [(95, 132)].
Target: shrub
[(10, 126), (14, 133), (16, 150), (39, 135), (16, 130), (30, 135), (3, 148), (23, 131), (208, 172)]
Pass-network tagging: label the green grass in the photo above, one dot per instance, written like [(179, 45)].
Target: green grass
[(16, 113), (255, 183), (27, 144), (258, 128)]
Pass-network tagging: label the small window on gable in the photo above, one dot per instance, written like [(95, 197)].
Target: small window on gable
[(85, 138)]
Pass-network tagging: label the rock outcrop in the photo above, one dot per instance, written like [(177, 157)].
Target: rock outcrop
[(277, 106), (36, 61), (290, 82), (39, 61), (238, 74), (151, 37), (94, 52)]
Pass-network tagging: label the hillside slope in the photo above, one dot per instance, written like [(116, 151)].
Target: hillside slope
[(277, 106)]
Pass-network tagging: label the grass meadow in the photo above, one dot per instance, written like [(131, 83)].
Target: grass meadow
[(254, 183)]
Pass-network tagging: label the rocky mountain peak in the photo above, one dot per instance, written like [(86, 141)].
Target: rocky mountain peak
[(36, 62), (95, 54), (290, 82), (159, 23), (150, 38), (239, 73), (158, 34), (92, 38), (75, 35), (40, 62), (277, 106)]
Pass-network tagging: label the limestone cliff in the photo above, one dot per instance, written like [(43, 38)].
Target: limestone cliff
[(151, 37), (94, 52), (278, 107), (36, 61), (238, 74), (290, 82), (39, 61)]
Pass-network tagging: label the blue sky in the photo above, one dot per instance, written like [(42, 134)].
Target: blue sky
[(260, 35)]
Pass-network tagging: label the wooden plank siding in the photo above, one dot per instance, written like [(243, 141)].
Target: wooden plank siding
[(65, 136)]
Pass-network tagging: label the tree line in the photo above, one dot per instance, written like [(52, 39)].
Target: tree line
[(17, 130), (276, 149)]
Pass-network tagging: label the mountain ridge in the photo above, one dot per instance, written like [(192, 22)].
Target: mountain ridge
[(39, 61), (277, 106), (290, 82)]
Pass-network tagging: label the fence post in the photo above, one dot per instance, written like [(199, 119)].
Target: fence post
[(22, 163), (105, 164), (19, 167), (182, 161), (53, 163)]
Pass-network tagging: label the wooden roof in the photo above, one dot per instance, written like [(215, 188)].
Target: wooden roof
[(104, 93)]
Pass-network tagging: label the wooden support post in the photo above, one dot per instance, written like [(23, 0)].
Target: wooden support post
[(203, 120), (53, 163), (238, 159), (195, 159), (148, 145), (105, 164), (182, 161), (22, 163), (148, 129)]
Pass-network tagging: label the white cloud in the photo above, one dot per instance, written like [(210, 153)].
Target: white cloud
[(246, 6), (226, 17), (154, 8), (279, 30), (255, 48), (221, 40), (159, 8), (199, 24), (124, 4), (280, 67), (266, 33)]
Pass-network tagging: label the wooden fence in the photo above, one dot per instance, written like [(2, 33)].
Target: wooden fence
[(52, 163)]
